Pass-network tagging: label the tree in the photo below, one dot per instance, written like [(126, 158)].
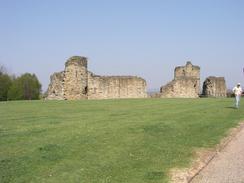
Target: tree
[(25, 87), (5, 84)]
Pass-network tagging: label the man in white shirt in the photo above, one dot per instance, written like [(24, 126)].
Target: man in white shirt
[(238, 92)]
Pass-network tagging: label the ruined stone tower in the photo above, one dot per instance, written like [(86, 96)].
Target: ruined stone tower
[(55, 89), (214, 87), (76, 78), (188, 71), (76, 83), (186, 83)]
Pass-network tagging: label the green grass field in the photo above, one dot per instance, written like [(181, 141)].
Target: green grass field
[(107, 141)]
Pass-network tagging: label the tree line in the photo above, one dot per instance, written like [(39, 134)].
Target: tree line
[(23, 87)]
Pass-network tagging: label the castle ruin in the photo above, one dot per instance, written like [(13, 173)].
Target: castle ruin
[(214, 87), (186, 83), (76, 83)]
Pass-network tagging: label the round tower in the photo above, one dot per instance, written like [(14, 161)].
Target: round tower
[(76, 78), (188, 70), (77, 61)]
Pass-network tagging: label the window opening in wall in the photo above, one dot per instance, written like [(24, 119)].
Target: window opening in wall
[(85, 90)]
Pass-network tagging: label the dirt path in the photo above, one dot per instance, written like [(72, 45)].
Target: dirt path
[(227, 166)]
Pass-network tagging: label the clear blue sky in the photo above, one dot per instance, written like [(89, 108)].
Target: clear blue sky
[(147, 38)]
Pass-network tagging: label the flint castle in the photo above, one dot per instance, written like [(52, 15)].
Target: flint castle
[(77, 83)]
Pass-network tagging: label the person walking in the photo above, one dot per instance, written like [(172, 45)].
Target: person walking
[(238, 93)]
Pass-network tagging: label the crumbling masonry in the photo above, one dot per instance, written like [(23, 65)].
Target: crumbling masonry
[(76, 83), (186, 83), (214, 87)]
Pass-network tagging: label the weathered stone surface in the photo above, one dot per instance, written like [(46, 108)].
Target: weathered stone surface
[(214, 87), (107, 87), (56, 87), (186, 83), (76, 83), (76, 78)]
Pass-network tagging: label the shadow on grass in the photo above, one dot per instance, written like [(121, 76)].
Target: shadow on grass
[(231, 107)]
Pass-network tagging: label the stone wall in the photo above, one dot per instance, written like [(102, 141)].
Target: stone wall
[(187, 71), (76, 83), (186, 83), (55, 89), (108, 87), (76, 78), (214, 87)]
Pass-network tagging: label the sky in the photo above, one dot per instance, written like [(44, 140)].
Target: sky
[(147, 38)]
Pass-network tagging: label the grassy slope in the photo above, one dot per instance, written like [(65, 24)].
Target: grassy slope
[(132, 141)]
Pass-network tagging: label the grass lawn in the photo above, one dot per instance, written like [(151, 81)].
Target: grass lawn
[(107, 141)]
